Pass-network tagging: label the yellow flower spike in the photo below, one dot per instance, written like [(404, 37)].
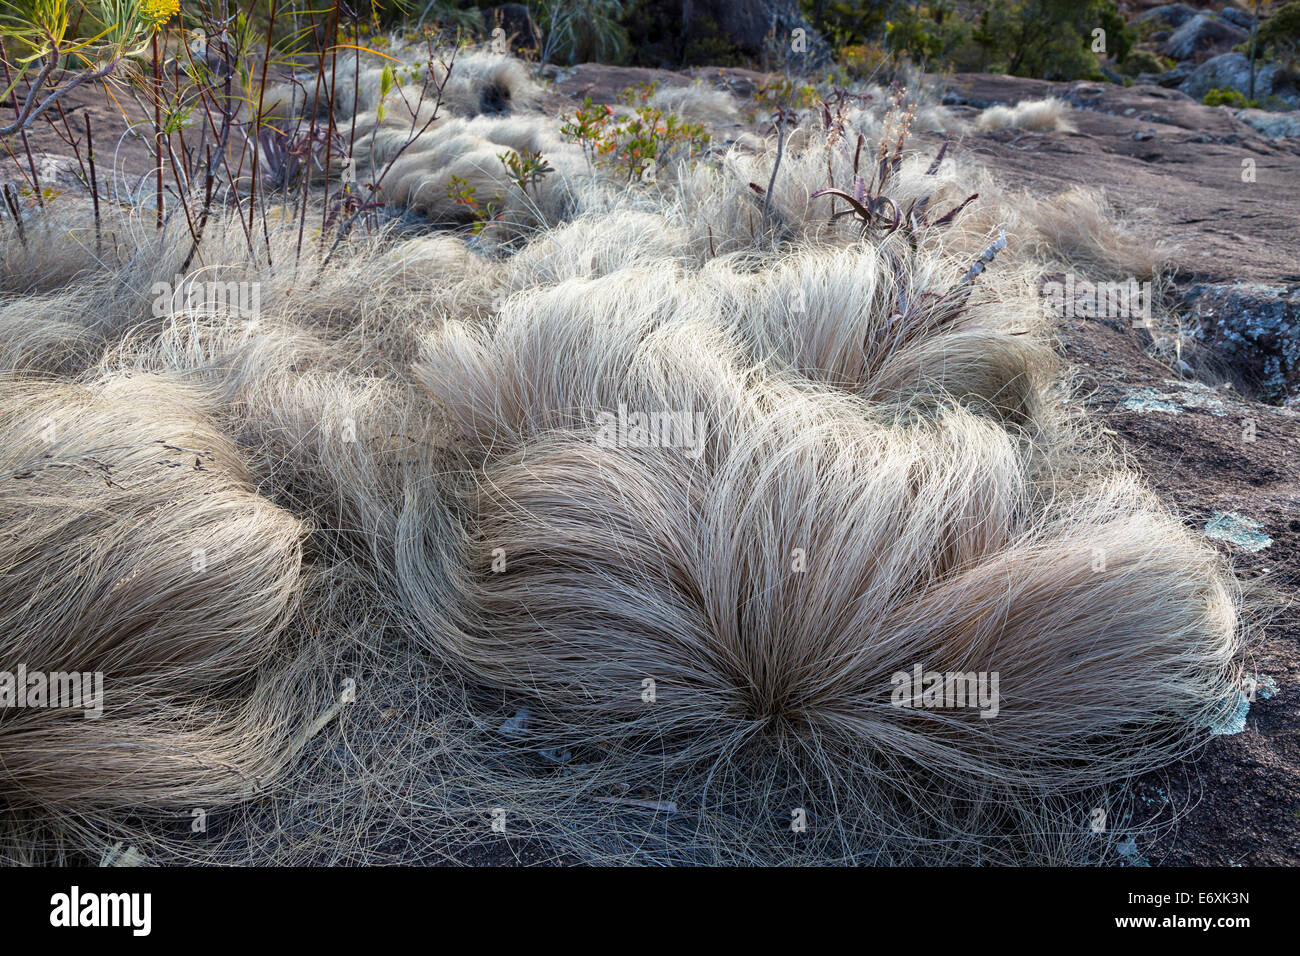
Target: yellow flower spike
[(160, 11)]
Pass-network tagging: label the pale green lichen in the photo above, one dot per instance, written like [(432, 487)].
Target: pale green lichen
[(1149, 400), (1198, 395), (1237, 530), (1233, 718)]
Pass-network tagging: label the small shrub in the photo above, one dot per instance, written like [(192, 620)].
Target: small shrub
[(1143, 61), (525, 168), (780, 93), (649, 134), (639, 94), (482, 212), (1228, 97), (861, 60), (632, 143), (1281, 31)]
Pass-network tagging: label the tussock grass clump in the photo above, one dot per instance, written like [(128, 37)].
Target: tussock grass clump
[(479, 82), (697, 103), (920, 553), (771, 580), (460, 155), (889, 324), (1035, 116), (135, 546), (1080, 229)]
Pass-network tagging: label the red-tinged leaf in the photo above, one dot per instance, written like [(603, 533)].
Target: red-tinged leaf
[(878, 205), (863, 212), (952, 213), (934, 166)]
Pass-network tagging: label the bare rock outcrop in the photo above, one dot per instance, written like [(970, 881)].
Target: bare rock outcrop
[(1201, 34), (1232, 71)]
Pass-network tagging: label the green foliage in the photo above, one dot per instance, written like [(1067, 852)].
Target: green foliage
[(481, 213), (589, 128), (1044, 38), (448, 15), (639, 94), (1228, 97), (927, 34), (1144, 61), (24, 20), (779, 93), (650, 134), (1119, 37), (1050, 38), (88, 38), (705, 43), (85, 31), (844, 23), (583, 31), (632, 143), (525, 168), (1281, 31)]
